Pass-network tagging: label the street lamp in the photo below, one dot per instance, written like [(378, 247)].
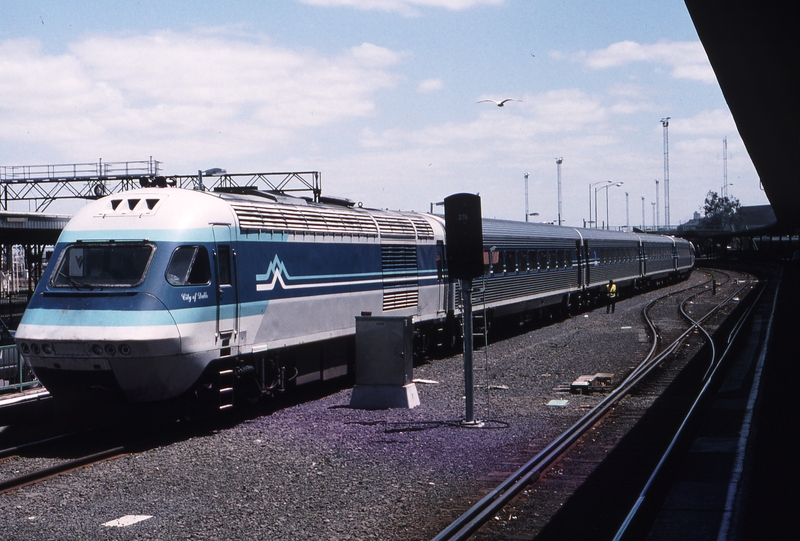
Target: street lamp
[(595, 200), (654, 215), (214, 171), (617, 185), (526, 197), (627, 214), (559, 161), (644, 221), (606, 187), (724, 190), (658, 210)]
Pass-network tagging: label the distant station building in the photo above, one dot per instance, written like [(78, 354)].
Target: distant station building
[(24, 241), (754, 232)]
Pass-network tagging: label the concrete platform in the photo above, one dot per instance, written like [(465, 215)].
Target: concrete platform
[(739, 479)]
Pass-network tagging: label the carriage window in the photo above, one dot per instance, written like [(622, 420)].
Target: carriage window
[(568, 258), (490, 266), (511, 261), (542, 259), (103, 265), (497, 263), (189, 266), (522, 260), (553, 261), (560, 256)]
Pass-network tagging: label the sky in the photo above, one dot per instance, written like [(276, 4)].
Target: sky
[(383, 97)]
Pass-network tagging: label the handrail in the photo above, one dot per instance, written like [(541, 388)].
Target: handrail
[(13, 368)]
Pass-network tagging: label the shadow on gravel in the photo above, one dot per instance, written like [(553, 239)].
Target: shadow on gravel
[(68, 431)]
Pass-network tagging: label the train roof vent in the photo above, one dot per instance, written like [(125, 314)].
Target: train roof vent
[(396, 227), (423, 227), (133, 205), (306, 219)]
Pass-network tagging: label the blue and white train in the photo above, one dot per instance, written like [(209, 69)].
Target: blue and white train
[(165, 293)]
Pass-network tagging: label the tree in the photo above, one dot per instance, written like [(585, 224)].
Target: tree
[(721, 211)]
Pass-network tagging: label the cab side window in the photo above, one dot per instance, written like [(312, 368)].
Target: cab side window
[(189, 266)]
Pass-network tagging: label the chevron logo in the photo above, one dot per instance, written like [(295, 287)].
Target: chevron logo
[(275, 274)]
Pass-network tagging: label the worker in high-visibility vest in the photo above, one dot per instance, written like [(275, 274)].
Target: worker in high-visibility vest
[(611, 291)]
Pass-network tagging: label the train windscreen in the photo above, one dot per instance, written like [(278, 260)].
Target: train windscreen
[(103, 265)]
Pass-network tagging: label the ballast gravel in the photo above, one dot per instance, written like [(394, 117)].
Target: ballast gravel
[(322, 470)]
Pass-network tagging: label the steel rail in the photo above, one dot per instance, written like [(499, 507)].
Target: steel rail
[(14, 450), (707, 379), (32, 477), (469, 522), (463, 527)]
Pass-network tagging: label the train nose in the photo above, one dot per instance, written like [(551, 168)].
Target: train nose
[(76, 353), (99, 361)]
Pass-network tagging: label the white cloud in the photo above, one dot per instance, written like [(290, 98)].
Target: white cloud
[(407, 8), (686, 59), (220, 98), (182, 91), (375, 56), (705, 123), (500, 133), (430, 85)]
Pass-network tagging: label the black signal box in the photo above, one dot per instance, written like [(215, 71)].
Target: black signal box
[(463, 236)]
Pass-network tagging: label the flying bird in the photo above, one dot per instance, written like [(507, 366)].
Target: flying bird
[(499, 103)]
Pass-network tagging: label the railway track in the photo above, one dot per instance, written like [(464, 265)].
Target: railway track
[(37, 448), (45, 453), (18, 481), (667, 339), (31, 455)]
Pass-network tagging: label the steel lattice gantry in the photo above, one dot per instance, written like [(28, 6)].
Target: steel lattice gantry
[(43, 184), (25, 235)]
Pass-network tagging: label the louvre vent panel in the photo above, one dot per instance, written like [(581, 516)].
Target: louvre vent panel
[(399, 259), (400, 276), (260, 217), (399, 299), (424, 229), (253, 216), (396, 227)]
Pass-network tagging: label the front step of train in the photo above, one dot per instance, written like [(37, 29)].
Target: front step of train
[(225, 384)]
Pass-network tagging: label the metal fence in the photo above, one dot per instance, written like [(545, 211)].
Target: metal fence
[(15, 373)]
